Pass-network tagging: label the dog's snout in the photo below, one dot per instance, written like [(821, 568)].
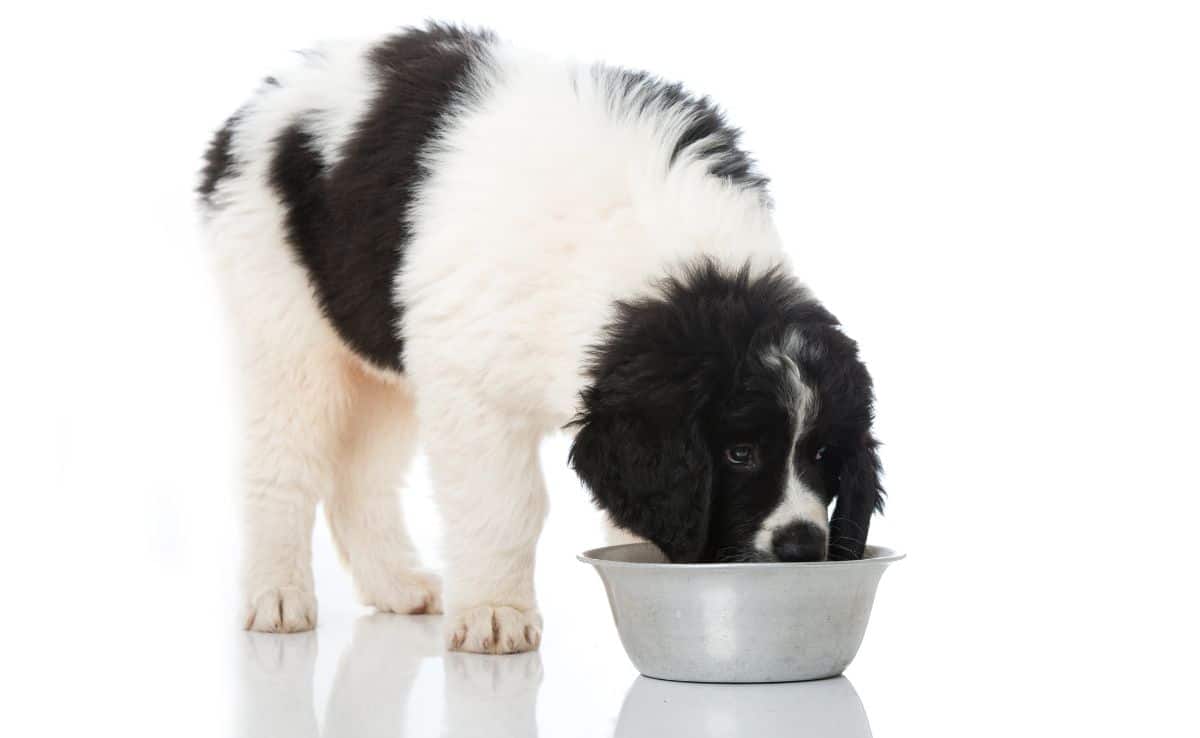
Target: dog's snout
[(799, 541)]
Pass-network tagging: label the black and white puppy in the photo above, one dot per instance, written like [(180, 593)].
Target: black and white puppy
[(437, 231)]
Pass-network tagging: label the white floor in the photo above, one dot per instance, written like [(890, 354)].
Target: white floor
[(380, 675)]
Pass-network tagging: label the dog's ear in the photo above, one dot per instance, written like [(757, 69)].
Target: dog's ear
[(641, 433), (859, 496), (651, 471)]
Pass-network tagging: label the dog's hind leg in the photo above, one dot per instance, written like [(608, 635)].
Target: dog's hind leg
[(295, 410), (364, 511), (295, 375)]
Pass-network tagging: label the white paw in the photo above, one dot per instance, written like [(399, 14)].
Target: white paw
[(412, 592), (282, 610), (499, 629)]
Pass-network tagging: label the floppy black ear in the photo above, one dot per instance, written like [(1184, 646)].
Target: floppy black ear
[(859, 496), (653, 477)]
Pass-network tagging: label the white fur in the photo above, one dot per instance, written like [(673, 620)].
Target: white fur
[(543, 208), (794, 394), (799, 503)]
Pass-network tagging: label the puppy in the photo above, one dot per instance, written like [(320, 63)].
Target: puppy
[(436, 235)]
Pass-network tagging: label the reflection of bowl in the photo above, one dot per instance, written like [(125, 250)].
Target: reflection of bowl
[(769, 622), (829, 708)]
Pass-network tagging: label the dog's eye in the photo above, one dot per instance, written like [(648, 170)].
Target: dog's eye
[(741, 454), (819, 454)]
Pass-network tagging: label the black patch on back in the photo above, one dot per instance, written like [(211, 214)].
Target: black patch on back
[(349, 224), (218, 161), (707, 136)]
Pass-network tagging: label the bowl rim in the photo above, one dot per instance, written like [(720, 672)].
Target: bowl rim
[(883, 555)]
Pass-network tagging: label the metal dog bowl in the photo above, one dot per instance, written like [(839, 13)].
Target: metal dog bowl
[(770, 622)]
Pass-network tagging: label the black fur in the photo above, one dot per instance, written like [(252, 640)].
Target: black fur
[(683, 377), (707, 137), (348, 224), (218, 161)]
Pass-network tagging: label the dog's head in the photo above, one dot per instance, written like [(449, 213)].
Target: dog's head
[(723, 418)]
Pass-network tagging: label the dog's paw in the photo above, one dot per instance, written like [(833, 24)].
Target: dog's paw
[(282, 610), (411, 592), (494, 629)]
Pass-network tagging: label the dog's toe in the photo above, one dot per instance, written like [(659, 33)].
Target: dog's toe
[(282, 610), (494, 629)]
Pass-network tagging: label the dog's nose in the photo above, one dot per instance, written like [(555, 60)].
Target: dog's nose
[(799, 541)]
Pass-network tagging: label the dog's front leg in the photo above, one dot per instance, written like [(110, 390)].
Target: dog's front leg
[(492, 496)]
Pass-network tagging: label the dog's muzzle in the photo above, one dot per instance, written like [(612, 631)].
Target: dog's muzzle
[(799, 541)]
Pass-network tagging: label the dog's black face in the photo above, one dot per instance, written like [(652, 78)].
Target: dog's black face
[(725, 417)]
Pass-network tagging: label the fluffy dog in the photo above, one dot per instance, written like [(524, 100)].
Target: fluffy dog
[(437, 235)]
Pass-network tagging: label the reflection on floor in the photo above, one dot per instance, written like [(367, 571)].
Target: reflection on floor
[(829, 708), (372, 694)]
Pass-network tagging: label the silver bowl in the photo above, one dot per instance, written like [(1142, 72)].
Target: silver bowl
[(770, 622)]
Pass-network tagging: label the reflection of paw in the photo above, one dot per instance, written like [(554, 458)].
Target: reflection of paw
[(276, 685), (487, 629), (472, 674), (276, 654), (282, 610), (411, 592)]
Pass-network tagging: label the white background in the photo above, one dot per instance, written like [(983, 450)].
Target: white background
[(1001, 201)]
